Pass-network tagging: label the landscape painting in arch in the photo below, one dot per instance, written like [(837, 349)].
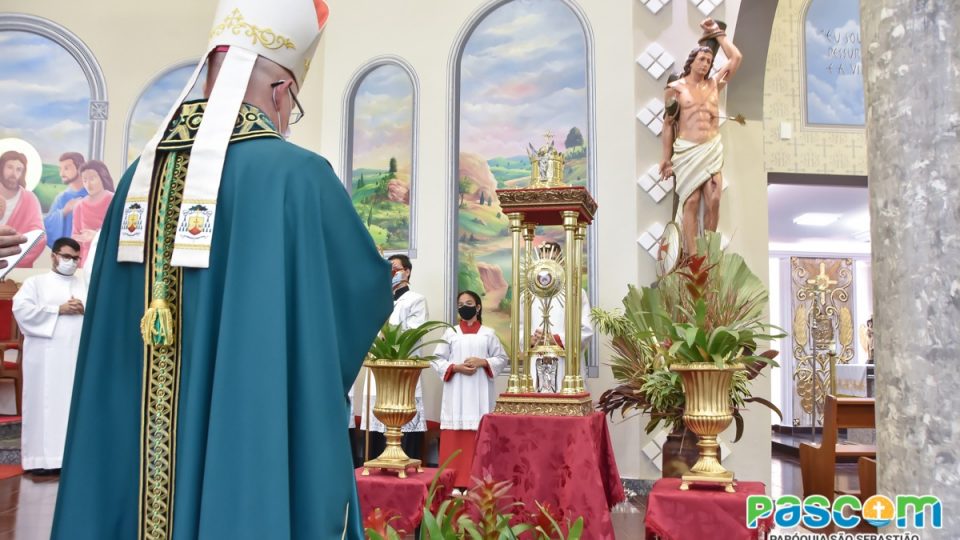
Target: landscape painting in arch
[(45, 100), (523, 74), (381, 161), (834, 74), (154, 104)]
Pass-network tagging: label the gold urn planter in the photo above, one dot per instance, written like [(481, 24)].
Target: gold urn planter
[(707, 412), (395, 406)]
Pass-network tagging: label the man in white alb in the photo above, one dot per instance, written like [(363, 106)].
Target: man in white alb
[(409, 311), (49, 309)]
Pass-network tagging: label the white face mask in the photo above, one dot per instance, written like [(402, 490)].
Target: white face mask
[(286, 131), (66, 267)]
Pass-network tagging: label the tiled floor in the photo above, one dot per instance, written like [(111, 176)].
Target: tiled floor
[(26, 502), (26, 507), (785, 476)]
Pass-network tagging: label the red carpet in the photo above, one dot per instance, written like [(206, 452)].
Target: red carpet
[(9, 471)]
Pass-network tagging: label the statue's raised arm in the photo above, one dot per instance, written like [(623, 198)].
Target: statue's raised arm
[(715, 38)]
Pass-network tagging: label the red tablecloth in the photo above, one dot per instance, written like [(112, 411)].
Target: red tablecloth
[(701, 512), (565, 461), (404, 498)]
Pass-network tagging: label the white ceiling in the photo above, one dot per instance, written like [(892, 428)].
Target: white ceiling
[(849, 234)]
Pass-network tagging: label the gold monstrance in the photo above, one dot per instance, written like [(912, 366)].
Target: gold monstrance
[(546, 278)]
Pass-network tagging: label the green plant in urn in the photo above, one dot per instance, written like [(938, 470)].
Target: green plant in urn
[(396, 367), (700, 327)]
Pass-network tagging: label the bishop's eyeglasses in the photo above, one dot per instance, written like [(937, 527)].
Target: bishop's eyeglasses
[(296, 113)]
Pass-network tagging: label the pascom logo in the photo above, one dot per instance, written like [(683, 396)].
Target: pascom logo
[(817, 512)]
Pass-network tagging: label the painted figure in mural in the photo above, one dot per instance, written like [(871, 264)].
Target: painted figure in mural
[(59, 219), (215, 406), (20, 208), (89, 213), (692, 150)]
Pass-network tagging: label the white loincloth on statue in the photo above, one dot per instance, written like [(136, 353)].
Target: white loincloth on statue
[(693, 165)]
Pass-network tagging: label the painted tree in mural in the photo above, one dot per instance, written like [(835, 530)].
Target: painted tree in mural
[(574, 138), (378, 196), (382, 156), (463, 187), (523, 72)]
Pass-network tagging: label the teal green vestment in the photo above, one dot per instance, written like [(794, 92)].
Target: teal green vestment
[(236, 427)]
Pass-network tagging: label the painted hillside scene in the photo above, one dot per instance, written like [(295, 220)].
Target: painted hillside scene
[(523, 75), (383, 154), (153, 105)]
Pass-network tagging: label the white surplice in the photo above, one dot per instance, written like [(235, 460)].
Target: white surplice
[(409, 311), (50, 343), (558, 328), (466, 398)]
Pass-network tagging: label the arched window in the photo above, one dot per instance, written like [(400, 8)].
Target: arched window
[(153, 104), (833, 73), (521, 69), (380, 151), (52, 95)]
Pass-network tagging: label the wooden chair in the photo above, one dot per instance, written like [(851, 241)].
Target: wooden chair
[(867, 472), (818, 462), (11, 339)]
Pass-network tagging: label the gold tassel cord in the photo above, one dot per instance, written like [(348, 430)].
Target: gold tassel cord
[(157, 324)]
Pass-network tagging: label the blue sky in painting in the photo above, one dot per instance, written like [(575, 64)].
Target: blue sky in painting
[(832, 41), (383, 119), (44, 95), (154, 103), (523, 72)]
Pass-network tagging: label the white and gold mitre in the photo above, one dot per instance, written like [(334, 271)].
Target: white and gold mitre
[(286, 32)]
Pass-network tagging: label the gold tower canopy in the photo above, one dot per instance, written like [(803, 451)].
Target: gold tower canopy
[(548, 202)]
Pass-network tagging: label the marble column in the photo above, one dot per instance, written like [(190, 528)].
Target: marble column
[(911, 61)]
